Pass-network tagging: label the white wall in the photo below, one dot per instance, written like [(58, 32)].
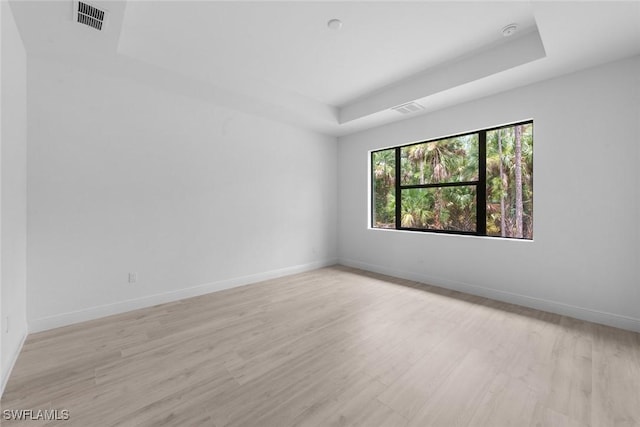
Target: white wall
[(13, 168), (125, 177), (585, 255)]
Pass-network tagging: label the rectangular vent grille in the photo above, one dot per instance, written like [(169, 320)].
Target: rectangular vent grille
[(409, 107), (91, 16)]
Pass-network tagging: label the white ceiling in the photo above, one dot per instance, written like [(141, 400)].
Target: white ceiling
[(289, 45), (279, 59)]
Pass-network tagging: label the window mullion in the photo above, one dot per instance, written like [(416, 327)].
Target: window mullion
[(398, 189), (481, 189), (440, 185)]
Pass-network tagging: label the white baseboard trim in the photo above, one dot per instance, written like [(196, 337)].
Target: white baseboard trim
[(6, 370), (64, 319), (590, 315)]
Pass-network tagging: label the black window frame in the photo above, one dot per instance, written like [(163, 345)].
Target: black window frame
[(480, 184)]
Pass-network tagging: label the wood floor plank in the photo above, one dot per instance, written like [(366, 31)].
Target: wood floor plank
[(547, 417), (616, 377), (380, 415), (331, 347), (506, 403), (571, 380), (457, 398)]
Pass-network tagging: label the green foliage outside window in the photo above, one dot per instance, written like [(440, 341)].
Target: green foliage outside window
[(509, 211), (384, 174), (438, 183)]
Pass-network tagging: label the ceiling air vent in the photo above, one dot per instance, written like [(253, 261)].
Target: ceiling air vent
[(84, 13), (409, 107)]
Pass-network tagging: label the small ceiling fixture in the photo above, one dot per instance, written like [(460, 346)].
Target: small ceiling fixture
[(409, 107), (509, 30), (334, 24)]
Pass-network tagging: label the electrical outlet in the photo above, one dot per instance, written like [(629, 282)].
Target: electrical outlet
[(133, 277)]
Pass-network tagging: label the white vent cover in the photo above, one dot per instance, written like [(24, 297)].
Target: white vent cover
[(409, 107), (84, 13)]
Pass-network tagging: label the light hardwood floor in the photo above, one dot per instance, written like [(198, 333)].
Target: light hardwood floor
[(332, 347)]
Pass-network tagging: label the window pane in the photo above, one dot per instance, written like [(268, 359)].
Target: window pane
[(510, 182), (441, 208), (383, 165), (446, 160)]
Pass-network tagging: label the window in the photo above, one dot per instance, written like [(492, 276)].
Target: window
[(479, 183)]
